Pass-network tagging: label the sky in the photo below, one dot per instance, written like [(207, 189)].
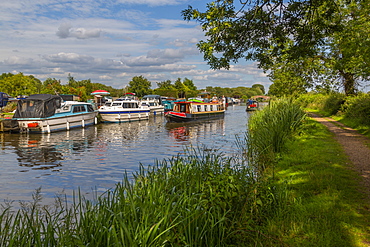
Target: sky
[(110, 42)]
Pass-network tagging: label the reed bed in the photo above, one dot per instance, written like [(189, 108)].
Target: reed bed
[(270, 129)]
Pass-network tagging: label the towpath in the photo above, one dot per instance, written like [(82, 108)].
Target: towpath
[(355, 145)]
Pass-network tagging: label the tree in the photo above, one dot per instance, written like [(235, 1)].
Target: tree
[(192, 89), (140, 86), (181, 88), (260, 86), (54, 86), (165, 85), (20, 84), (273, 32)]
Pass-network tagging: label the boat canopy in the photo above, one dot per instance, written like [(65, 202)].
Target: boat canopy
[(38, 106)]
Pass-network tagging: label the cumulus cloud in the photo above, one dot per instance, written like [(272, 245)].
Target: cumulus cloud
[(68, 58), (66, 30)]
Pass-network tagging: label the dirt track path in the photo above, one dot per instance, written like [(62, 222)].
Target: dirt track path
[(354, 145)]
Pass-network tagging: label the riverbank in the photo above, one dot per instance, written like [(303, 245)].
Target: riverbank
[(326, 203)]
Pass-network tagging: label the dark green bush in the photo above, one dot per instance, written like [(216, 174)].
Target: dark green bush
[(357, 108), (333, 103)]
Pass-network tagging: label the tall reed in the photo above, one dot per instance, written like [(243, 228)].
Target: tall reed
[(270, 128)]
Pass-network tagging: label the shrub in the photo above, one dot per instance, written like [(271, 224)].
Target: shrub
[(357, 108)]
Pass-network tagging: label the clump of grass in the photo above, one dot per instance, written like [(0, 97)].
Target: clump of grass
[(270, 129)]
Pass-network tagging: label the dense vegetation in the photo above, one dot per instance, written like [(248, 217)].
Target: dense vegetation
[(354, 111), (19, 84)]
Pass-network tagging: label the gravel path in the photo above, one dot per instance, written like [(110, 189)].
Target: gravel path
[(354, 145)]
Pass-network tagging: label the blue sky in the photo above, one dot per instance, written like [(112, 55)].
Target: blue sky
[(110, 42)]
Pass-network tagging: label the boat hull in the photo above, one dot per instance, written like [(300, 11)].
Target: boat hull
[(57, 123), (157, 110), (179, 117), (124, 116)]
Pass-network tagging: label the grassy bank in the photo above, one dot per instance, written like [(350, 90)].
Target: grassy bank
[(322, 203), (289, 187)]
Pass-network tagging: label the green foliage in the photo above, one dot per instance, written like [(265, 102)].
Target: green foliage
[(259, 86), (270, 129), (357, 108), (19, 84), (298, 41), (140, 86), (333, 103)]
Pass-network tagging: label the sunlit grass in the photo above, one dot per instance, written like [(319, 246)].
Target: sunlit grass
[(326, 207)]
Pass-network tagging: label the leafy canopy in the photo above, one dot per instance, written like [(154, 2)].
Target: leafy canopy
[(277, 33)]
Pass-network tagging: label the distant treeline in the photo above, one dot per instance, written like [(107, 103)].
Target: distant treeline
[(20, 84)]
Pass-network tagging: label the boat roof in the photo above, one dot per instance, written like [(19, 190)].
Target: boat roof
[(42, 97), (152, 96), (195, 102)]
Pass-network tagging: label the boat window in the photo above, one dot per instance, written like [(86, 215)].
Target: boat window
[(116, 103), (90, 108), (79, 108), (182, 108), (199, 109), (205, 108)]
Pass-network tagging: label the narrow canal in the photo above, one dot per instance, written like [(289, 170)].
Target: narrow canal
[(94, 159)]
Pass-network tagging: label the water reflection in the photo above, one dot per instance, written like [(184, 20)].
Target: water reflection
[(186, 132)]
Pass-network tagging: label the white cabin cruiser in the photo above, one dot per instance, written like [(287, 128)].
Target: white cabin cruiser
[(125, 109), (45, 113)]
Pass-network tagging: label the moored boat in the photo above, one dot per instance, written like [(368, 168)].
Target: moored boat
[(252, 105), (45, 113), (125, 109), (168, 103), (154, 102), (185, 111)]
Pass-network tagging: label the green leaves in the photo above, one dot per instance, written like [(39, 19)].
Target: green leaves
[(140, 86)]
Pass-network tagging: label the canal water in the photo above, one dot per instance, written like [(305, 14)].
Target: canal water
[(94, 159)]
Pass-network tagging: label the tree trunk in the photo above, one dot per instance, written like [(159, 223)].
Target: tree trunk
[(348, 83)]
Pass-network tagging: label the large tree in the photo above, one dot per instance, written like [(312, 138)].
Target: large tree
[(140, 86), (267, 31), (19, 84)]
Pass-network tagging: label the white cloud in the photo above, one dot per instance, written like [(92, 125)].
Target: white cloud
[(63, 57), (66, 30)]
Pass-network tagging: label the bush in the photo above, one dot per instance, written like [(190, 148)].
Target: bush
[(357, 108), (333, 103)]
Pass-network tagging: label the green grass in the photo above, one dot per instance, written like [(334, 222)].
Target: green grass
[(321, 201)]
